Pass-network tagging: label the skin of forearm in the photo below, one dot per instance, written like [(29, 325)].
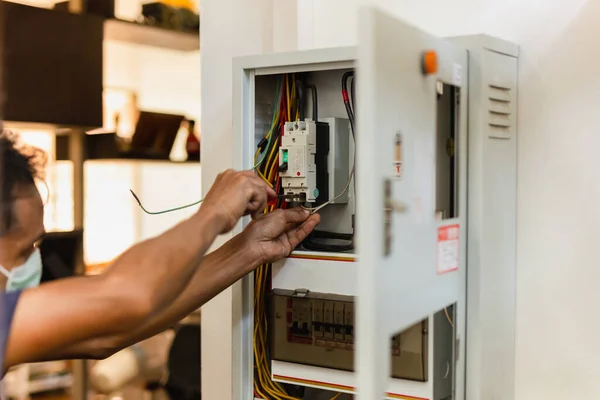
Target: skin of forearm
[(139, 285), (159, 269), (217, 271)]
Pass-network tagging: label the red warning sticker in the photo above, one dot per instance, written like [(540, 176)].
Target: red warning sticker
[(448, 246)]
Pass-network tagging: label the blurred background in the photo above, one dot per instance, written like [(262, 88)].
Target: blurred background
[(129, 119)]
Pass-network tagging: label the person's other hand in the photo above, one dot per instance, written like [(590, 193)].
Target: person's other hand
[(234, 195), (275, 235)]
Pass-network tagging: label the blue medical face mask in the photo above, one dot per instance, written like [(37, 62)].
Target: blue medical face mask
[(25, 276)]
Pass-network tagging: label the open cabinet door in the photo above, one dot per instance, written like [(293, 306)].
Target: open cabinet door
[(411, 249)]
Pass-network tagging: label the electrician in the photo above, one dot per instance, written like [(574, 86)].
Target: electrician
[(147, 289)]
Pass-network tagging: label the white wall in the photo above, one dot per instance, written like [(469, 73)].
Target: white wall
[(558, 222), (230, 28)]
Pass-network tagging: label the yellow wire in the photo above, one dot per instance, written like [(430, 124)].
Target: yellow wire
[(294, 105), (448, 317), (265, 386), (258, 334), (268, 136), (277, 390), (272, 388), (259, 172), (287, 93), (336, 396), (270, 164)]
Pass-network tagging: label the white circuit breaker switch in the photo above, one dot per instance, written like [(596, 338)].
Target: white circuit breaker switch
[(297, 160)]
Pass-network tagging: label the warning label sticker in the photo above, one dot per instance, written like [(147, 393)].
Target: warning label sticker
[(448, 246)]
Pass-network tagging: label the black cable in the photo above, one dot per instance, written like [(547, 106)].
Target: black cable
[(301, 99), (274, 142), (331, 235), (313, 245), (352, 95), (315, 104), (312, 242), (349, 110)]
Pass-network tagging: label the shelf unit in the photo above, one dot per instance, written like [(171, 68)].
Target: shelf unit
[(148, 35), (26, 115), (140, 33), (113, 30)]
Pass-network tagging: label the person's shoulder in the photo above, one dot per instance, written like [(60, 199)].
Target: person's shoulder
[(8, 303)]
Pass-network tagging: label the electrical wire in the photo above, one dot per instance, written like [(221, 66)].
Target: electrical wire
[(345, 97), (352, 94), (350, 112), (311, 242), (315, 209), (448, 317), (315, 103), (300, 115), (258, 160), (263, 384), (137, 199)]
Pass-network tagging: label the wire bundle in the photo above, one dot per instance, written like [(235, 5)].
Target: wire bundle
[(266, 167)]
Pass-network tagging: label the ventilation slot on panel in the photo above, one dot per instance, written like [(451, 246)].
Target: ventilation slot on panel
[(500, 111)]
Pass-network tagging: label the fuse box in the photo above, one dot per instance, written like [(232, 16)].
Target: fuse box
[(318, 329), (385, 166), (311, 339)]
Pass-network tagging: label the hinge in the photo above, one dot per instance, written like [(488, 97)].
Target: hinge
[(389, 207), (457, 349), (387, 218)]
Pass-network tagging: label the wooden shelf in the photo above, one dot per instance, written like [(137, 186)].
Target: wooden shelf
[(147, 35), (142, 159)]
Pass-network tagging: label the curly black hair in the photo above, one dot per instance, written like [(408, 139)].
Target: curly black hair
[(20, 165)]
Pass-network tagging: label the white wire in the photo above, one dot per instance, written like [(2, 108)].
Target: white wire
[(315, 209)]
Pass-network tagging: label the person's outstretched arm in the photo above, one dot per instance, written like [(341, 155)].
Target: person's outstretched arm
[(139, 285), (266, 239)]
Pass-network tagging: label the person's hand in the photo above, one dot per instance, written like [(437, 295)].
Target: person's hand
[(234, 195), (275, 235)]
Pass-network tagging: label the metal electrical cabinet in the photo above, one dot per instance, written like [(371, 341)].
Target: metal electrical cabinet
[(386, 316)]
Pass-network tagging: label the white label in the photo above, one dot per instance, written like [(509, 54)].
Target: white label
[(457, 74), (448, 246)]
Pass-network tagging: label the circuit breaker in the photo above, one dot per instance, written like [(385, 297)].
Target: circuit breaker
[(303, 161), (318, 329)]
